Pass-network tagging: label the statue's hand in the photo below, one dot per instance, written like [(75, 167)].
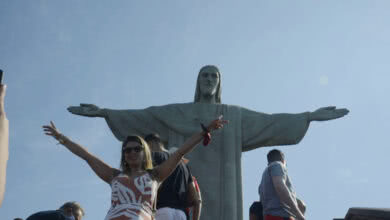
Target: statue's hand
[(88, 110), (327, 113)]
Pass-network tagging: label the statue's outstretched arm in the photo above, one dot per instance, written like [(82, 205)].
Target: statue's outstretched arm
[(89, 110), (259, 129), (327, 113)]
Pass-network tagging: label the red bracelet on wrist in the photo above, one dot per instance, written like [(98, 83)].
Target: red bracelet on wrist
[(206, 135)]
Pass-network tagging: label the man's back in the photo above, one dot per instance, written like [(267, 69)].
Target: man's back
[(173, 191), (48, 215), (269, 197)]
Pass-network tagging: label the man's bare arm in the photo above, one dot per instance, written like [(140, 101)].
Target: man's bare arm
[(285, 196), (195, 200)]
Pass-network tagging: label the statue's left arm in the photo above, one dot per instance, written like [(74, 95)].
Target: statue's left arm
[(260, 129)]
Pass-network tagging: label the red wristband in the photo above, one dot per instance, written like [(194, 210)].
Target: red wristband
[(206, 136), (206, 139)]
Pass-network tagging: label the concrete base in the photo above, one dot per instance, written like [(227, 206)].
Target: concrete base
[(368, 214)]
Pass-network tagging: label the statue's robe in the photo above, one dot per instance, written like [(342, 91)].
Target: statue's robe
[(217, 166)]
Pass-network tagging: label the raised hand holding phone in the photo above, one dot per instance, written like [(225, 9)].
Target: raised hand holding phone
[(1, 76)]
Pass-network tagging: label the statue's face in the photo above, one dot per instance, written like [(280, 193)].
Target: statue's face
[(208, 81)]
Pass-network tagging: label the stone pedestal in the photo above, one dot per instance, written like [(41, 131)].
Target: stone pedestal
[(367, 214)]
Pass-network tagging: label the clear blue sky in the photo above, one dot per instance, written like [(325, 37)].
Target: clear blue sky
[(275, 56)]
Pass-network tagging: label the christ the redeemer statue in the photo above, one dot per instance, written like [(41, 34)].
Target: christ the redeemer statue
[(217, 167)]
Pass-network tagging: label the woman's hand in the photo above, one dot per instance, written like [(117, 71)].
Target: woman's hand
[(51, 130), (217, 124)]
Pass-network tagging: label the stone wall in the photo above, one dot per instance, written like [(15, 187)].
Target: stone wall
[(368, 214)]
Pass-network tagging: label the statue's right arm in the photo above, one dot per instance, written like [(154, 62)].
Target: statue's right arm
[(101, 169), (89, 110)]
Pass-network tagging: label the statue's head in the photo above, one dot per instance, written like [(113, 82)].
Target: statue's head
[(208, 84)]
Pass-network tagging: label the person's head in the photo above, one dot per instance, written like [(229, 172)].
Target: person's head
[(275, 155), (208, 84), (154, 142), (135, 154), (73, 209)]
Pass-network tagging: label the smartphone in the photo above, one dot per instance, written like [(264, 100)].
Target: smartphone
[(1, 76)]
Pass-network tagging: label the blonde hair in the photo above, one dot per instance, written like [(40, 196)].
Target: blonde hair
[(147, 163)]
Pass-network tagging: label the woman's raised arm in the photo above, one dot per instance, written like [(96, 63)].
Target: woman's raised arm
[(166, 168), (101, 169)]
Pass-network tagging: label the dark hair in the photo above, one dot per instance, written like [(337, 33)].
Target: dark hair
[(153, 137), (275, 155), (147, 162), (74, 206)]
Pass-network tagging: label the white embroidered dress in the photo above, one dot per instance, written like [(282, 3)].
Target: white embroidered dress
[(132, 199)]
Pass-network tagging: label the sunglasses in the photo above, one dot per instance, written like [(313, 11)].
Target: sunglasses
[(130, 149)]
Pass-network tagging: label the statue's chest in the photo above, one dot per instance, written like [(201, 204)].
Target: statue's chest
[(206, 112)]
